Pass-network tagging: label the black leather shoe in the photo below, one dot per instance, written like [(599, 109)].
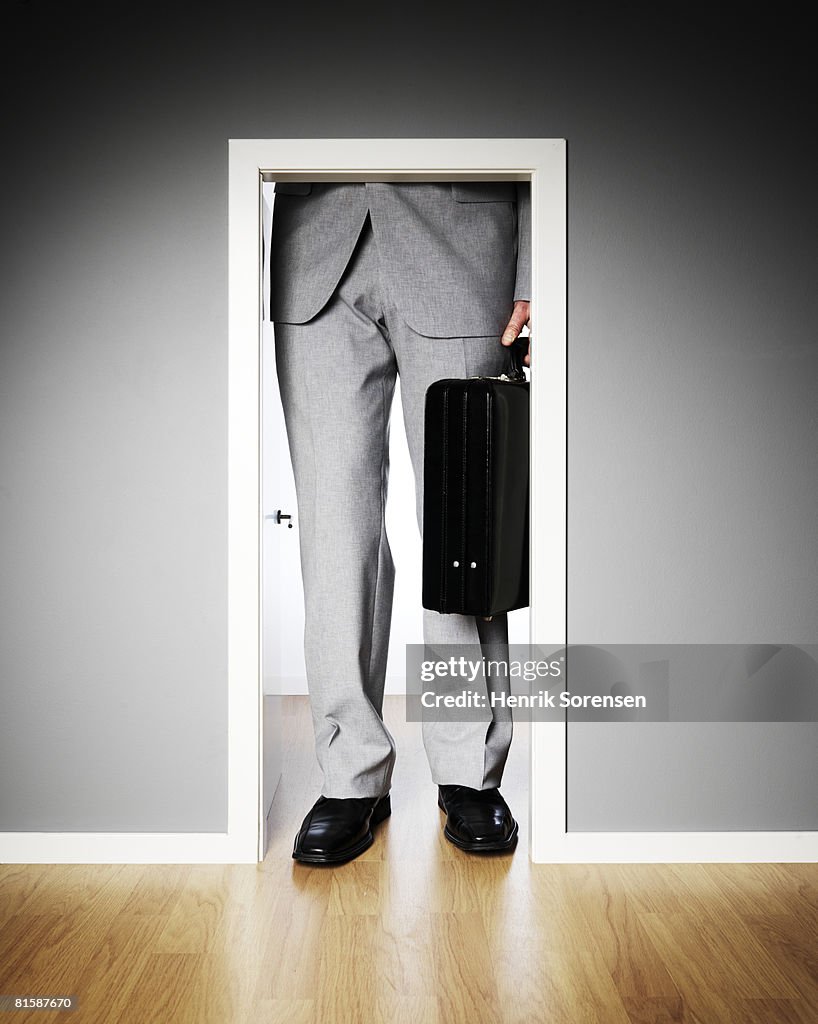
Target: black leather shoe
[(336, 829), (478, 820)]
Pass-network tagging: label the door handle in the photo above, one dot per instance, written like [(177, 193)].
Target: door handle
[(278, 517)]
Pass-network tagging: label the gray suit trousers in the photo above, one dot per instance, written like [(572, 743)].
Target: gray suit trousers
[(337, 376)]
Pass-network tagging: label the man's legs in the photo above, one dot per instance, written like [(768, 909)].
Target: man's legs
[(337, 376)]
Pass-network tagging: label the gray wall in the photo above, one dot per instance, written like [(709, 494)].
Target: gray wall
[(692, 372)]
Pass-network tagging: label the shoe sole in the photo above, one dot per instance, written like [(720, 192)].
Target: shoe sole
[(501, 846), (381, 811)]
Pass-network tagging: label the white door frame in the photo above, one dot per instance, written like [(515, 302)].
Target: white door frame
[(542, 161)]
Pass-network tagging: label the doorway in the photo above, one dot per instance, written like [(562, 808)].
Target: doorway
[(252, 496), (283, 667)]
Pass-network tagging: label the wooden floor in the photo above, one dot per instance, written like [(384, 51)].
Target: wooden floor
[(413, 931)]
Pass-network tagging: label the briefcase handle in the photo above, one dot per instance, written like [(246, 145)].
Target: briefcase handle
[(516, 353)]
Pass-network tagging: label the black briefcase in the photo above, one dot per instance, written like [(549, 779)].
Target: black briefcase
[(475, 492)]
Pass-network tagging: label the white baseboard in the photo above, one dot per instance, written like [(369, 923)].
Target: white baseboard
[(127, 848)]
